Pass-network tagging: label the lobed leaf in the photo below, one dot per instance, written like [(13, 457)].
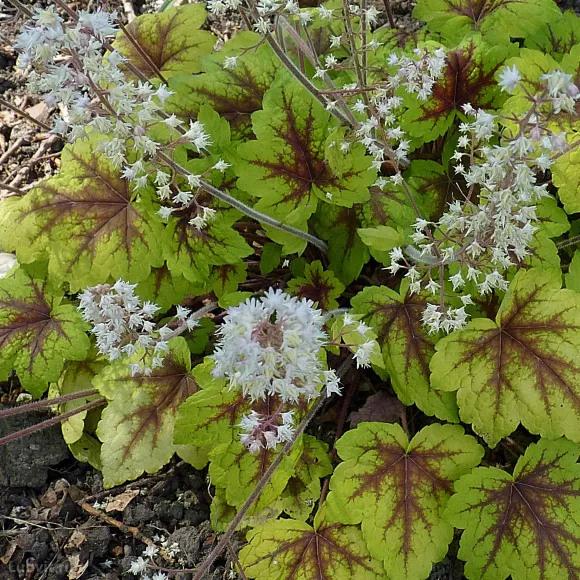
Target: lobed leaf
[(405, 486), (497, 20), (137, 425), (235, 93), (286, 166), (318, 285), (468, 78), (294, 550), (526, 525), (39, 330), (172, 41), (406, 346), (524, 367), (89, 219)]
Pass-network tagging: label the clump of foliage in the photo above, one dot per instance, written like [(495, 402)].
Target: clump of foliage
[(323, 204)]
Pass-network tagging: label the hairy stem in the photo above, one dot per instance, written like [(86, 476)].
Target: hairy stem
[(224, 540), (245, 209), (50, 422), (7, 105), (45, 403)]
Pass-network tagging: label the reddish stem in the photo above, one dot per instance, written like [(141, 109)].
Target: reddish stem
[(46, 403), (50, 422)]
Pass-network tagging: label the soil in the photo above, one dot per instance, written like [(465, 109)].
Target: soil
[(54, 522)]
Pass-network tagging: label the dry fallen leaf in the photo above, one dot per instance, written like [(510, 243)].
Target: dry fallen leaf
[(380, 407), (76, 568), (8, 553), (76, 540), (121, 501)]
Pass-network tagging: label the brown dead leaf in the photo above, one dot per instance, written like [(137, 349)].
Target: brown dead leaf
[(8, 553), (76, 568), (40, 112), (380, 407), (76, 540), (49, 499), (121, 501)]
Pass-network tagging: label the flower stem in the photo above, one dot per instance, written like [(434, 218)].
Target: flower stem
[(50, 422), (46, 403), (224, 540), (245, 209)]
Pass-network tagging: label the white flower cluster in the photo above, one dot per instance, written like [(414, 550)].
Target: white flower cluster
[(266, 432), (492, 228), (418, 75), (271, 346), (122, 324), (380, 132), (141, 565), (77, 70)]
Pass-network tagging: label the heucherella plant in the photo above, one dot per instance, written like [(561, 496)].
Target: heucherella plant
[(330, 262)]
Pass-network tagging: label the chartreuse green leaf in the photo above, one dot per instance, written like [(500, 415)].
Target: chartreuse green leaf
[(235, 93), (525, 525), (39, 330), (468, 77), (318, 285), (572, 278), (238, 472), (303, 489), (397, 490), (166, 290), (406, 346), (566, 177), (381, 240), (136, 427), (286, 167), (93, 224), (225, 279), (193, 253), (172, 41), (556, 36), (270, 258), (497, 20), (77, 377), (294, 550), (524, 367)]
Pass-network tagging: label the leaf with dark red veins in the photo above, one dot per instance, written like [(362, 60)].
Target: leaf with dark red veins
[(89, 219), (192, 253), (172, 41), (235, 93), (294, 550), (225, 279), (405, 485), (468, 77), (497, 20), (210, 419), (525, 525), (286, 166), (233, 468), (137, 425), (166, 290), (557, 36), (524, 367), (39, 330), (432, 187), (317, 285), (407, 347)]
